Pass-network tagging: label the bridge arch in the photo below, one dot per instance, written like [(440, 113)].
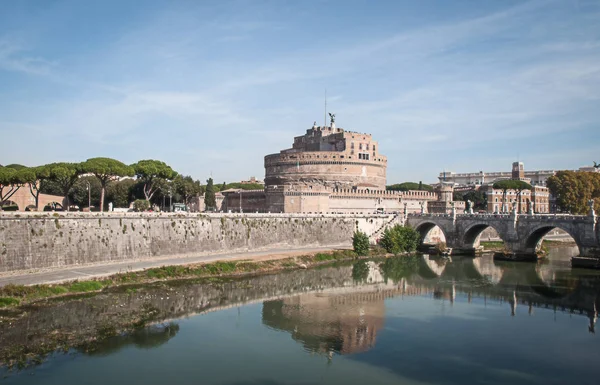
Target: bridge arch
[(423, 228), (472, 235), (533, 240)]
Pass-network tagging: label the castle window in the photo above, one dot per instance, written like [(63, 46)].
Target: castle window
[(373, 147)]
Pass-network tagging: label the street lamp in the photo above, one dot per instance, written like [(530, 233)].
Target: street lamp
[(89, 195), (170, 200)]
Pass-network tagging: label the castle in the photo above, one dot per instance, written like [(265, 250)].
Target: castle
[(331, 170)]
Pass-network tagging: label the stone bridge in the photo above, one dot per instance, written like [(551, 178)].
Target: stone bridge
[(522, 234)]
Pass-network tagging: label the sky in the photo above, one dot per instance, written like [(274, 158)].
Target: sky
[(210, 88)]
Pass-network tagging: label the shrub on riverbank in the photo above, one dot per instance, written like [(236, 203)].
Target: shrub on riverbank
[(399, 239), (360, 243)]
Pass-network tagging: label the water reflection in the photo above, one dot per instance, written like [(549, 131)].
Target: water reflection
[(146, 338), (348, 310)]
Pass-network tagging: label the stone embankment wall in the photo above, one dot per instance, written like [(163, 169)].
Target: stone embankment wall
[(54, 240)]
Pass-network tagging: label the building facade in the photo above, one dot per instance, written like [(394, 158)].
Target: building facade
[(535, 178)]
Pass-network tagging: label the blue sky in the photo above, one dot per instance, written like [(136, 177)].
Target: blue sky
[(214, 86)]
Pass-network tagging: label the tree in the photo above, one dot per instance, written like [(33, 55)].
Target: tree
[(187, 188), (478, 198), (573, 189), (106, 170), (64, 175), (400, 239), (120, 192), (243, 186), (360, 243), (38, 178), (148, 171), (80, 195), (11, 180), (407, 186), (141, 205), (210, 201)]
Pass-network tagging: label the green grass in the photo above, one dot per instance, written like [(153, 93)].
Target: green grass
[(85, 286), (7, 301), (492, 244)]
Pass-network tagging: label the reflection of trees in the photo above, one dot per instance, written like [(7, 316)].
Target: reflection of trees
[(148, 338), (396, 269), (360, 271)]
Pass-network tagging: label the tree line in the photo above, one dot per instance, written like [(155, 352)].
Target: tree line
[(408, 186), (100, 180), (572, 190)]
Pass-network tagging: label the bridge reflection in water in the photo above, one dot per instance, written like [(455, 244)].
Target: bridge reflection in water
[(347, 320)]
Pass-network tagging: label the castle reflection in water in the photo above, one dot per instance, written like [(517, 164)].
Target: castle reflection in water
[(347, 320)]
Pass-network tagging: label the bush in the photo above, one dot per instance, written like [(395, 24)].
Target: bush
[(141, 205), (400, 239), (360, 243)]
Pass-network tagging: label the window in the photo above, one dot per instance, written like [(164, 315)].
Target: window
[(360, 146), (373, 148)]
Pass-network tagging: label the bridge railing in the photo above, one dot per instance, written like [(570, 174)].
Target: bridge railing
[(537, 217)]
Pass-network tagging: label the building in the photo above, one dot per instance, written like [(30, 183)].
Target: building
[(328, 170), (23, 200), (252, 180), (538, 200), (536, 178)]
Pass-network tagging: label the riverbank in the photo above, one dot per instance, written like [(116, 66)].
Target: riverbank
[(546, 244), (12, 296)]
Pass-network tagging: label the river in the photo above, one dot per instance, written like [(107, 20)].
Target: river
[(409, 320)]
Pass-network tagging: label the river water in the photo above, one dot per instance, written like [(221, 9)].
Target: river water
[(411, 320)]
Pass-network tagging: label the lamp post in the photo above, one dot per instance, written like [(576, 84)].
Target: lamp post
[(241, 201), (89, 188), (170, 199)]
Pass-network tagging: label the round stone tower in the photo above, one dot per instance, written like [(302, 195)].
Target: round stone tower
[(328, 158)]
